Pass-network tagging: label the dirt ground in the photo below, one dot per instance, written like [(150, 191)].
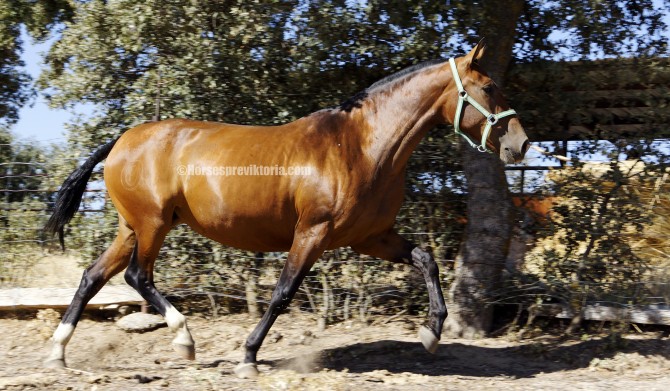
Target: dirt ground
[(347, 356)]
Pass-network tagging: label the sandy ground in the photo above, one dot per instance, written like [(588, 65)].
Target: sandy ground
[(385, 355), (346, 356)]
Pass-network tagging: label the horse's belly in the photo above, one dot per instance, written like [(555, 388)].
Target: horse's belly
[(248, 212), (253, 232)]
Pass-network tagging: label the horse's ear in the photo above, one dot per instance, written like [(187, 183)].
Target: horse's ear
[(476, 53)]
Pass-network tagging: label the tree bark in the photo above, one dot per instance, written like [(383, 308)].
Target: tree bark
[(483, 252)]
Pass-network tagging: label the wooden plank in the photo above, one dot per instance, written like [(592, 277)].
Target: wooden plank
[(658, 315), (37, 298)]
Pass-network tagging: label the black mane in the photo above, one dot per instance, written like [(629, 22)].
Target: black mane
[(356, 100)]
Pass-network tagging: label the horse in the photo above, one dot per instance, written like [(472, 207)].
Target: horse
[(347, 192)]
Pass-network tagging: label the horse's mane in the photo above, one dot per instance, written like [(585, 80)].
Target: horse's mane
[(356, 100)]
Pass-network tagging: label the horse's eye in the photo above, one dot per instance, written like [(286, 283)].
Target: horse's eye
[(488, 89)]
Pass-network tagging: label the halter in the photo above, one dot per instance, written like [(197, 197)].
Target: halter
[(491, 119)]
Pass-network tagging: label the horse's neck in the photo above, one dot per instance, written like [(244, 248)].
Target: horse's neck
[(398, 120)]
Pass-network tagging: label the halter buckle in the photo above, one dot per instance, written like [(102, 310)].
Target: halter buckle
[(482, 148), (492, 119), (463, 94)]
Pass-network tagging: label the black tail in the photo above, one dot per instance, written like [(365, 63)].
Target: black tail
[(70, 193)]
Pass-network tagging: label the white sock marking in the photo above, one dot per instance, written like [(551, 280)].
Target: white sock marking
[(60, 338), (63, 333), (177, 322)]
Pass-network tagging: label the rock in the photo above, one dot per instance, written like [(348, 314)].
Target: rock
[(99, 379), (37, 381), (274, 337), (140, 322), (146, 379)]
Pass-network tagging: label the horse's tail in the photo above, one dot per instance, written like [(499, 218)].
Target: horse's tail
[(70, 193)]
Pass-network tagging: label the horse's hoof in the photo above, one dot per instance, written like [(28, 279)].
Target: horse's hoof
[(428, 339), (54, 363), (185, 351), (246, 370)]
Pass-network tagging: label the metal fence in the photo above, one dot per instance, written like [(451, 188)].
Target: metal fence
[(206, 276)]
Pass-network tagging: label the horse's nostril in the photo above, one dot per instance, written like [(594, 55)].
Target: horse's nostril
[(525, 146)]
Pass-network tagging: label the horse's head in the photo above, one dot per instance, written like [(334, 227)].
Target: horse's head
[(479, 111)]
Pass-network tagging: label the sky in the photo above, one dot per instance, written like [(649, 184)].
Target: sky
[(38, 122)]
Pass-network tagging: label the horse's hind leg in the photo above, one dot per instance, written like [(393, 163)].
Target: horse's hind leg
[(111, 262), (393, 247), (139, 275)]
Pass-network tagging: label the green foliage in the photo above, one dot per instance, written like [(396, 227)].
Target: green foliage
[(21, 171), (235, 61), (39, 17), (13, 82), (25, 173), (595, 245), (585, 28), (246, 62)]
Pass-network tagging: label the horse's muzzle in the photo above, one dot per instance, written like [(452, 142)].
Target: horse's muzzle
[(514, 154)]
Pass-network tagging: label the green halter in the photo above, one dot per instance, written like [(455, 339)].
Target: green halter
[(491, 119)]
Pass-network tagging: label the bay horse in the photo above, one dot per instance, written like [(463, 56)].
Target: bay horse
[(356, 155)]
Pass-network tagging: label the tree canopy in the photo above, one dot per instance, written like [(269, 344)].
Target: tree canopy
[(39, 18), (269, 62)]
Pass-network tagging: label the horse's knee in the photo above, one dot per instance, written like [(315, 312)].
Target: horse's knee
[(135, 277), (90, 279), (422, 255), (281, 298), (424, 260)]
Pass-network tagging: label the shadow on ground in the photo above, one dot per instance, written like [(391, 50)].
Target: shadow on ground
[(454, 358)]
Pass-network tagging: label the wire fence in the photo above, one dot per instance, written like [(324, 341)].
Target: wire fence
[(569, 248), (207, 276)]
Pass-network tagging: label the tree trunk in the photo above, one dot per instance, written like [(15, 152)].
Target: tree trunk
[(483, 252)]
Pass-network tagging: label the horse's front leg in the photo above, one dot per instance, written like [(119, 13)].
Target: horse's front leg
[(393, 247), (308, 244)]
